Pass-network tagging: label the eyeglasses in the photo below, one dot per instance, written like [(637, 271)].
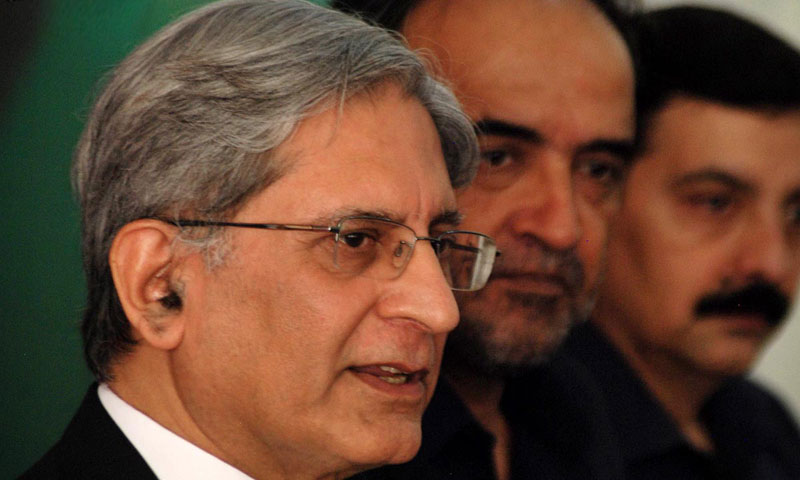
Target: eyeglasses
[(380, 248)]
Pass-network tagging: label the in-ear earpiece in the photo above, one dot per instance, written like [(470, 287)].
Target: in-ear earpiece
[(171, 301)]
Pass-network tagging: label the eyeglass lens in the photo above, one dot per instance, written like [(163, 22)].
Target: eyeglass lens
[(381, 249)]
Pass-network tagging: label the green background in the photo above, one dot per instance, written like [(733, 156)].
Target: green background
[(55, 52)]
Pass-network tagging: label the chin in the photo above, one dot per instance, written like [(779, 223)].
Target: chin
[(732, 362), (392, 443)]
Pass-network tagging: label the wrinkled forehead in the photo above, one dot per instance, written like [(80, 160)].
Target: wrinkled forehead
[(374, 153)]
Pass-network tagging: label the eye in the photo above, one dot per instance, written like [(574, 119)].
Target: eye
[(502, 164), (496, 158), (599, 177), (793, 215), (715, 203), (603, 171), (358, 239)]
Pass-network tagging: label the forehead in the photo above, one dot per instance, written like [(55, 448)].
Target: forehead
[(756, 147), (521, 58), (379, 153)]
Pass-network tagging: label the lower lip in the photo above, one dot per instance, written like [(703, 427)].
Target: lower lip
[(746, 324), (410, 391)]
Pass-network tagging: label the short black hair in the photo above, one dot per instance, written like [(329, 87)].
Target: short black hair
[(386, 13), (391, 13), (715, 56)]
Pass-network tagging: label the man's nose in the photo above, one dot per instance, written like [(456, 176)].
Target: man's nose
[(764, 250), (421, 294), (547, 206)]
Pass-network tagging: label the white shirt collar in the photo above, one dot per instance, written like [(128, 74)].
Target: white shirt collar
[(168, 455)]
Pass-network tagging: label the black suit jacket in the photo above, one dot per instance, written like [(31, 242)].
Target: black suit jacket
[(92, 447)]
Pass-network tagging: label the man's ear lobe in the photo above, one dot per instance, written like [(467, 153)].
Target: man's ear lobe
[(144, 272)]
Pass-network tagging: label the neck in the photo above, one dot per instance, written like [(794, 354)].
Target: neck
[(682, 393), (145, 381), (680, 388), (482, 396)]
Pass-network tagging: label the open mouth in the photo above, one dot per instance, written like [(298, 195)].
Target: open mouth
[(398, 377), (392, 375)]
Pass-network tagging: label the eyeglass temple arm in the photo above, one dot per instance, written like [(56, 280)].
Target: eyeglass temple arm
[(263, 226), (467, 248)]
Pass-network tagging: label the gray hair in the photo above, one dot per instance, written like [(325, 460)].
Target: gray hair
[(187, 124)]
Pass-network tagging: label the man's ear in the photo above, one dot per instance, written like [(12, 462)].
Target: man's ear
[(146, 279)]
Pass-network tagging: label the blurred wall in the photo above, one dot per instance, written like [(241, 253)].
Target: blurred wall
[(779, 366)]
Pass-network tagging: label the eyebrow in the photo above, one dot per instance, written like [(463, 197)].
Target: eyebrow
[(448, 217), (340, 213), (623, 148), (500, 128), (712, 175)]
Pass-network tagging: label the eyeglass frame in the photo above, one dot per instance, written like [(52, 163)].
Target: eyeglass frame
[(336, 230)]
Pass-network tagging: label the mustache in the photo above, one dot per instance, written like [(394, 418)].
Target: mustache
[(761, 298), (542, 261)]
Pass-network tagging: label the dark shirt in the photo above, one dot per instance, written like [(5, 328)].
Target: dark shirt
[(556, 433), (753, 435)]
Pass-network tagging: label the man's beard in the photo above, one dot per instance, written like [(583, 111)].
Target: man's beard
[(505, 331)]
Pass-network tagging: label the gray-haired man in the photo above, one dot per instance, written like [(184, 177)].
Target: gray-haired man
[(270, 240)]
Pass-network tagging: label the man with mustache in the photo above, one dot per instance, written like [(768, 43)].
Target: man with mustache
[(550, 87), (704, 255)]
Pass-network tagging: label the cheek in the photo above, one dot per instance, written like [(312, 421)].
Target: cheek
[(278, 328), (317, 322), (792, 284), (665, 277), (593, 242), (483, 211)]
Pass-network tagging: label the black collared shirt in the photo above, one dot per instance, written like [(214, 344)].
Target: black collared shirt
[(556, 432), (754, 436)]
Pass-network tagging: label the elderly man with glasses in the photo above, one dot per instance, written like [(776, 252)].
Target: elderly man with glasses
[(270, 238)]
